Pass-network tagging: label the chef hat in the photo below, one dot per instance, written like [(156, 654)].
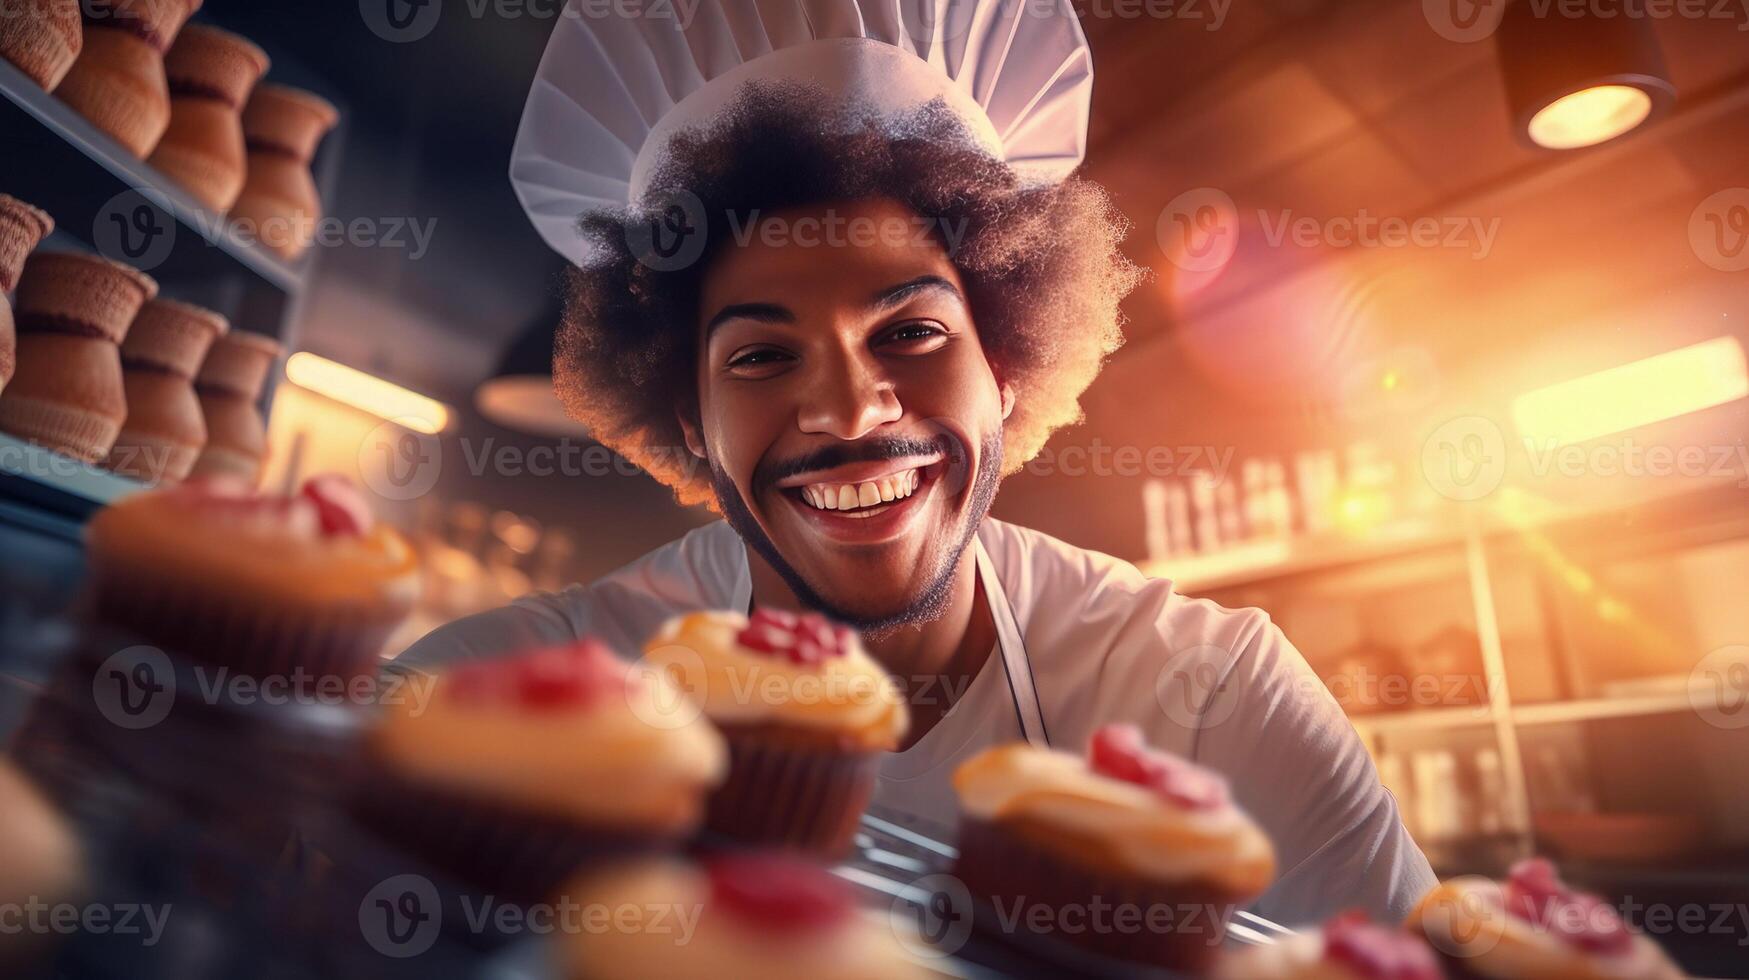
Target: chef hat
[(614, 90)]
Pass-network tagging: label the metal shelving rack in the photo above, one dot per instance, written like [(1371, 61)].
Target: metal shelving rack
[(1475, 535), (107, 201)]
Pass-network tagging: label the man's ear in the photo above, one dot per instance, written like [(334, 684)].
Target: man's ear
[(1007, 391), (689, 429)]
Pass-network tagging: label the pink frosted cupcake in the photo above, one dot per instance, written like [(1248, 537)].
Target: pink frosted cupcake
[(1348, 947), (1533, 928), (807, 713), (517, 771), (1151, 837), (305, 588)]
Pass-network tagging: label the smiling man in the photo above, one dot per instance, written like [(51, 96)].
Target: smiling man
[(835, 280)]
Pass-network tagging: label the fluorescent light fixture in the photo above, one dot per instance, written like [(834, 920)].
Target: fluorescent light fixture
[(367, 393), (1661, 387)]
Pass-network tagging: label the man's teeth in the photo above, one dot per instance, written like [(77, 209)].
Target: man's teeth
[(849, 496)]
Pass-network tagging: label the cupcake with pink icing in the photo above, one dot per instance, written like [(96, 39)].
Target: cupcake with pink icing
[(1533, 927), (305, 587), (747, 915), (1348, 947), (807, 714), (515, 772), (1151, 838)]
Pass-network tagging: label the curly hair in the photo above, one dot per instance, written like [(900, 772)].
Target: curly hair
[(1041, 266)]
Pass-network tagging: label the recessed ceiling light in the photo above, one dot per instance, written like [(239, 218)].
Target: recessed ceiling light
[(1574, 78)]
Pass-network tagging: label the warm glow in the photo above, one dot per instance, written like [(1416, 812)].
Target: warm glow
[(1652, 390), (1590, 116), (367, 393)]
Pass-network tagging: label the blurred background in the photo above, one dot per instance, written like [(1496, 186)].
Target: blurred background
[(1442, 369)]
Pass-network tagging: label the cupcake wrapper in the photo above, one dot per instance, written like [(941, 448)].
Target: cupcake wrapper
[(76, 432), (514, 854), (999, 867), (311, 648), (800, 797), (38, 45)]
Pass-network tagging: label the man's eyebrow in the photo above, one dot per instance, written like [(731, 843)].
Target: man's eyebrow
[(892, 296), (766, 312)]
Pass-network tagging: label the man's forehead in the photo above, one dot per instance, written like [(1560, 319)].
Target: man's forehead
[(837, 254)]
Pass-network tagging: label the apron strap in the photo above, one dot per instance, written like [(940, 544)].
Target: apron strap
[(1013, 650)]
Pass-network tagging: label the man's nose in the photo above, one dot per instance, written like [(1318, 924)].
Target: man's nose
[(847, 399)]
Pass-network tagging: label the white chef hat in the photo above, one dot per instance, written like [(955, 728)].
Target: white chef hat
[(614, 90)]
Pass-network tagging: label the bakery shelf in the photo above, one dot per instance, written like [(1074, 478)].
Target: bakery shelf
[(55, 483), (1255, 562), (1598, 709), (1422, 720), (59, 162)]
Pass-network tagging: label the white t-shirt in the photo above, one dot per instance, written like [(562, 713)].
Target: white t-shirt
[(1105, 644)]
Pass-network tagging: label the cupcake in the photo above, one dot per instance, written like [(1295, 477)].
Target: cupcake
[(40, 862), (807, 714), (303, 589), (1533, 928), (1348, 947), (515, 772), (1151, 838), (747, 915)]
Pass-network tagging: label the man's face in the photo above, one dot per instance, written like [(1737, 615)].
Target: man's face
[(850, 419)]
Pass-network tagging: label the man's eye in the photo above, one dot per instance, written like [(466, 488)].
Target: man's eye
[(758, 357), (915, 336)]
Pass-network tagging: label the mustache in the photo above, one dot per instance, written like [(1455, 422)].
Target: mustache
[(875, 450)]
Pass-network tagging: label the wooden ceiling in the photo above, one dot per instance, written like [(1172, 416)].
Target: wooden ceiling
[(1326, 109)]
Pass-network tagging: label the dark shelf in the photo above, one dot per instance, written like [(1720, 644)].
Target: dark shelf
[(122, 208)]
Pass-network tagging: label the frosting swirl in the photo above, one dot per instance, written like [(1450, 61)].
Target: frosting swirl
[(567, 731), (1135, 827), (824, 682)]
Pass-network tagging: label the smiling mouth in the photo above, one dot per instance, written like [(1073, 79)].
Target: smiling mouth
[(864, 498)]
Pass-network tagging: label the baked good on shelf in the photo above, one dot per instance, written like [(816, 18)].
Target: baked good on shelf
[(40, 862), (807, 714), (72, 313), (303, 590), (164, 430), (1148, 841), (746, 915), (1348, 947), (513, 772), (1533, 927)]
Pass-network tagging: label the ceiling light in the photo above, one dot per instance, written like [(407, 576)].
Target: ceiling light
[(1575, 78), (367, 392), (1674, 383)]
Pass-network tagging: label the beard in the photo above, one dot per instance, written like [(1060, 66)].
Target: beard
[(929, 602)]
